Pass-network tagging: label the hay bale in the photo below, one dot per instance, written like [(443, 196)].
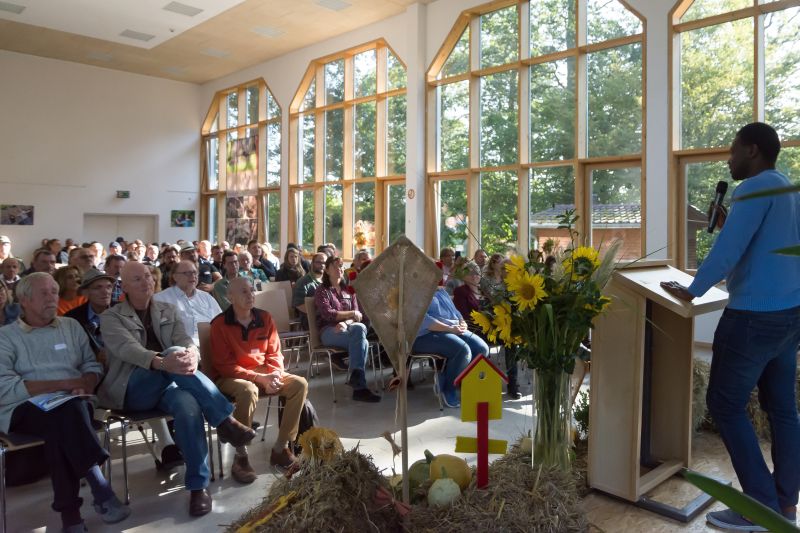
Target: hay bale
[(518, 498)]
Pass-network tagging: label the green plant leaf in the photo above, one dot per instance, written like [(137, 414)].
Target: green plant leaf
[(741, 503), (790, 250), (770, 192)]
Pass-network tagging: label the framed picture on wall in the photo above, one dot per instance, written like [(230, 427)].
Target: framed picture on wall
[(16, 215), (181, 219)]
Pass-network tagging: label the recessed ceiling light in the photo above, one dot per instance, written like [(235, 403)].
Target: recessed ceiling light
[(100, 56), (335, 5), (267, 31), (182, 9), (139, 36), (176, 71), (213, 52), (11, 8)]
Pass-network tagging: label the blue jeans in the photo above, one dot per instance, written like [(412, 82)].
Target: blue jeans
[(457, 349), (354, 338), (188, 399), (758, 348)]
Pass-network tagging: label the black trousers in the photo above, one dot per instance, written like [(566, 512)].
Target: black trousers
[(70, 445)]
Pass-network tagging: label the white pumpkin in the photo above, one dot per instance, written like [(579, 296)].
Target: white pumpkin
[(443, 492)]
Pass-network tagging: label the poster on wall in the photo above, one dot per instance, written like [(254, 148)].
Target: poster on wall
[(243, 166), (16, 215), (241, 223), (181, 219)]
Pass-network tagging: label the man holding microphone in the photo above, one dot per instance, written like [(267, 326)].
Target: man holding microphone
[(756, 340)]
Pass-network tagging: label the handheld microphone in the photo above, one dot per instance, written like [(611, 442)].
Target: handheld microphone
[(722, 188)]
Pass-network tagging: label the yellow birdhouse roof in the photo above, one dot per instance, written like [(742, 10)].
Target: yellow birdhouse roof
[(471, 366)]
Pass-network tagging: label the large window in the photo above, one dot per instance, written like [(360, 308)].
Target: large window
[(348, 122), (738, 61), (535, 108), (241, 171)]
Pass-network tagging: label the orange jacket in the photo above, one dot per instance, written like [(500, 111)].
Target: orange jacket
[(236, 350)]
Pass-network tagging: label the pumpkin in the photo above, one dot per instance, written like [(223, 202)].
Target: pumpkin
[(418, 473), (443, 492), (449, 466)]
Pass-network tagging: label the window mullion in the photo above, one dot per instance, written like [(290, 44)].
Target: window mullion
[(759, 65)]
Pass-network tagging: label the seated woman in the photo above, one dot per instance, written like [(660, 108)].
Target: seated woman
[(291, 269), (340, 323), (468, 297), (68, 279), (444, 332)]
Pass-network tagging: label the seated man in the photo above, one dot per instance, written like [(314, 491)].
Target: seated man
[(207, 274), (192, 304), (307, 285), (230, 271), (114, 264), (9, 272), (44, 260), (247, 358), (42, 353), (256, 275), (151, 356)]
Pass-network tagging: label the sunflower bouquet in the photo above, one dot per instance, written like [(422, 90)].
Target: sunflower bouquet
[(545, 311)]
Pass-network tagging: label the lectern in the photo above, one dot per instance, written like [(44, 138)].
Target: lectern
[(641, 386)]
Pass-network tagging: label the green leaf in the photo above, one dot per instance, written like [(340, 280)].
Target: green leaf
[(771, 192), (790, 250), (741, 503)]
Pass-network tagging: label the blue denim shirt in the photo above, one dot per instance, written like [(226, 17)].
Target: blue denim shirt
[(441, 309)]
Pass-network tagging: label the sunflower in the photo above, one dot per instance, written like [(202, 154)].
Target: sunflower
[(514, 267), (582, 262), (527, 290), (481, 320), (502, 320)]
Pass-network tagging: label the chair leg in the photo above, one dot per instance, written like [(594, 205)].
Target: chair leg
[(124, 426), (330, 367), (266, 419), (436, 387), (210, 450), (107, 446), (3, 485)]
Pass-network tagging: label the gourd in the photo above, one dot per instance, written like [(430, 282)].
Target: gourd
[(449, 466), (443, 492), (418, 473)]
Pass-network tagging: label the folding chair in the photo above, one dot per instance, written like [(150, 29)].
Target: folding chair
[(275, 303), (316, 346), (432, 359)]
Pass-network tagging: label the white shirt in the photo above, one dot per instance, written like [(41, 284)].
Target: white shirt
[(201, 307)]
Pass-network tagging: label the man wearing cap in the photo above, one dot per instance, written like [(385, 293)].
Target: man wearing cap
[(207, 273), (5, 251), (193, 305)]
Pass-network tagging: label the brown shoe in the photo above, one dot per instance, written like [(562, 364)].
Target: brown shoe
[(282, 459), (235, 433), (242, 471), (200, 502)]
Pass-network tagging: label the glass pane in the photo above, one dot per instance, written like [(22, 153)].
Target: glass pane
[(211, 234), (609, 19), (458, 62), (499, 119), (716, 83), (212, 162), (304, 200), (617, 209), (396, 135), (251, 132), (552, 26), (214, 124), (272, 219), (396, 73), (782, 108), (553, 110), (397, 212), (364, 145), (789, 163), (499, 226), (334, 81), (365, 73), (251, 104), (310, 99), (273, 111), (233, 109), (274, 154), (307, 137), (552, 193), (334, 144), (451, 207), (364, 217), (706, 8), (454, 125), (499, 37), (333, 215), (701, 182), (615, 101)]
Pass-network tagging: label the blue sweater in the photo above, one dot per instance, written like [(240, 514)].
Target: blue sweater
[(757, 278), (442, 309)]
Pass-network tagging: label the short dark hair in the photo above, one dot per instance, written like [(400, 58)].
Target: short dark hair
[(227, 254), (115, 257), (764, 137)]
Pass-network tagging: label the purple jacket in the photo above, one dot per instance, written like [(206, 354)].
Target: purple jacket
[(329, 302)]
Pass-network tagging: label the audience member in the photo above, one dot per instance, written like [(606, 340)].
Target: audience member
[(193, 305), (114, 248), (447, 257), (99, 255), (82, 258), (96, 287), (291, 269), (204, 252), (230, 271), (325, 249), (39, 354), (256, 275), (247, 359), (169, 257), (480, 258), (361, 258), (303, 261), (270, 256), (10, 272), (260, 259), (68, 279), (444, 332), (455, 279), (156, 273), (9, 310), (5, 251), (340, 323), (307, 285), (151, 255), (492, 281), (150, 354), (114, 264), (207, 273), (43, 261), (216, 256)]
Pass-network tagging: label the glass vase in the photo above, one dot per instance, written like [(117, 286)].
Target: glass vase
[(551, 439)]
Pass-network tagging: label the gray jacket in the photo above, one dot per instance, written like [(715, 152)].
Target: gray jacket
[(124, 337)]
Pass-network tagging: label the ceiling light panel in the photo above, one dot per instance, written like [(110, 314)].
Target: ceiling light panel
[(213, 52), (182, 9), (267, 31), (16, 9), (335, 5), (139, 36)]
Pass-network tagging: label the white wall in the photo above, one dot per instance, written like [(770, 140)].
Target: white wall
[(72, 135)]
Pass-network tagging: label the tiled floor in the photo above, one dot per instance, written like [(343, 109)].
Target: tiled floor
[(160, 503)]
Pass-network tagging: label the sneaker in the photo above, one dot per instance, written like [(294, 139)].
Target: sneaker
[(282, 459), (112, 510), (171, 457), (450, 398), (241, 470), (731, 521), (365, 395)]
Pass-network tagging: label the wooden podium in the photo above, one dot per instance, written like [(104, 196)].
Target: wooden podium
[(641, 386)]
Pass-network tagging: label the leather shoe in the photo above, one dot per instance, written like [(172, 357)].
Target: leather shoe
[(282, 459), (200, 502), (242, 471), (233, 432), (171, 457)]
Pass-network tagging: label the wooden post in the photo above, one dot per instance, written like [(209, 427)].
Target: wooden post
[(402, 398), (483, 445)]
